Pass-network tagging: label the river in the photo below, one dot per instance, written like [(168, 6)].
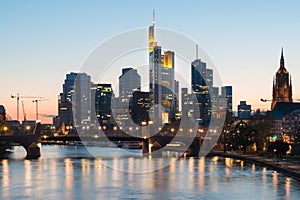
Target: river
[(69, 172)]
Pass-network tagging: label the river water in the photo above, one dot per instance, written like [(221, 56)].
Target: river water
[(69, 172)]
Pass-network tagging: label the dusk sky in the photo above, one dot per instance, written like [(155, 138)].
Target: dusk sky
[(41, 41)]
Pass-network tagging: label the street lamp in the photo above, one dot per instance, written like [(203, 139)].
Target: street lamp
[(137, 129), (27, 128), (5, 129), (115, 130)]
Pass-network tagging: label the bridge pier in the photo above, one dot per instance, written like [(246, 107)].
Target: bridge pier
[(194, 148), (151, 147), (145, 146), (33, 151)]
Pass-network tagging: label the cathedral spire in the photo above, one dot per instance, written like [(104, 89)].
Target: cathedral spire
[(282, 85), (282, 60)]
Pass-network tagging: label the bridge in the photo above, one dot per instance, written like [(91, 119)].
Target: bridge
[(153, 145), (28, 141)]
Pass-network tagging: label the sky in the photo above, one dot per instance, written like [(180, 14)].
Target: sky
[(41, 41)]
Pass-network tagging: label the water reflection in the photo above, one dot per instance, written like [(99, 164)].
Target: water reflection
[(69, 178), (5, 178), (287, 188), (275, 182), (28, 178), (191, 178)]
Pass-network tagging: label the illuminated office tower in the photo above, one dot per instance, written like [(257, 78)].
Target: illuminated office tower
[(201, 84), (103, 104), (161, 79), (226, 93), (75, 99)]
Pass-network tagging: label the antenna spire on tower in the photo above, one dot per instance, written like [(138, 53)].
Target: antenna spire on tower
[(153, 19), (197, 51)]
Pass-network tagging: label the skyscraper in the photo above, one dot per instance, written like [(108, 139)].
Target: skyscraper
[(282, 85), (103, 105), (82, 100), (201, 83), (75, 99), (65, 114), (129, 82), (226, 93), (161, 79), (139, 107)]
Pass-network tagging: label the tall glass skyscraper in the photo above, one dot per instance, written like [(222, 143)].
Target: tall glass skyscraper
[(103, 105), (161, 79), (76, 96), (129, 82), (202, 82), (226, 93)]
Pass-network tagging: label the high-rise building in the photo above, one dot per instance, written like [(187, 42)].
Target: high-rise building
[(139, 107), (82, 100), (215, 102), (65, 114), (226, 93), (187, 105), (282, 84), (129, 82), (162, 84), (94, 120), (201, 87), (103, 105), (76, 97), (244, 110)]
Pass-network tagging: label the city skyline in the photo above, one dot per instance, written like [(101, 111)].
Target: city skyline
[(43, 63)]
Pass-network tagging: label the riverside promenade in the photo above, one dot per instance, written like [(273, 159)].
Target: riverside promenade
[(283, 165)]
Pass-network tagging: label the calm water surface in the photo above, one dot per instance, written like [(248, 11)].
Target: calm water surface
[(67, 172)]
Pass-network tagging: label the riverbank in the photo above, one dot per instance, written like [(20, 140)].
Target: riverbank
[(282, 166)]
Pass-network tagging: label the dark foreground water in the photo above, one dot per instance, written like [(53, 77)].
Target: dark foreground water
[(66, 172)]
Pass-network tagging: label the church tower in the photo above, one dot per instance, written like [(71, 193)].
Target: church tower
[(282, 84)]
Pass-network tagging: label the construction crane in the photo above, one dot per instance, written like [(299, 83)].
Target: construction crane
[(18, 97), (36, 101), (265, 100), (24, 114)]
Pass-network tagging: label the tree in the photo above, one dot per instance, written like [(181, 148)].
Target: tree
[(226, 130), (262, 124), (243, 136)]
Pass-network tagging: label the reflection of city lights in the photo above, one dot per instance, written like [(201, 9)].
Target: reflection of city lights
[(27, 128), (5, 128)]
